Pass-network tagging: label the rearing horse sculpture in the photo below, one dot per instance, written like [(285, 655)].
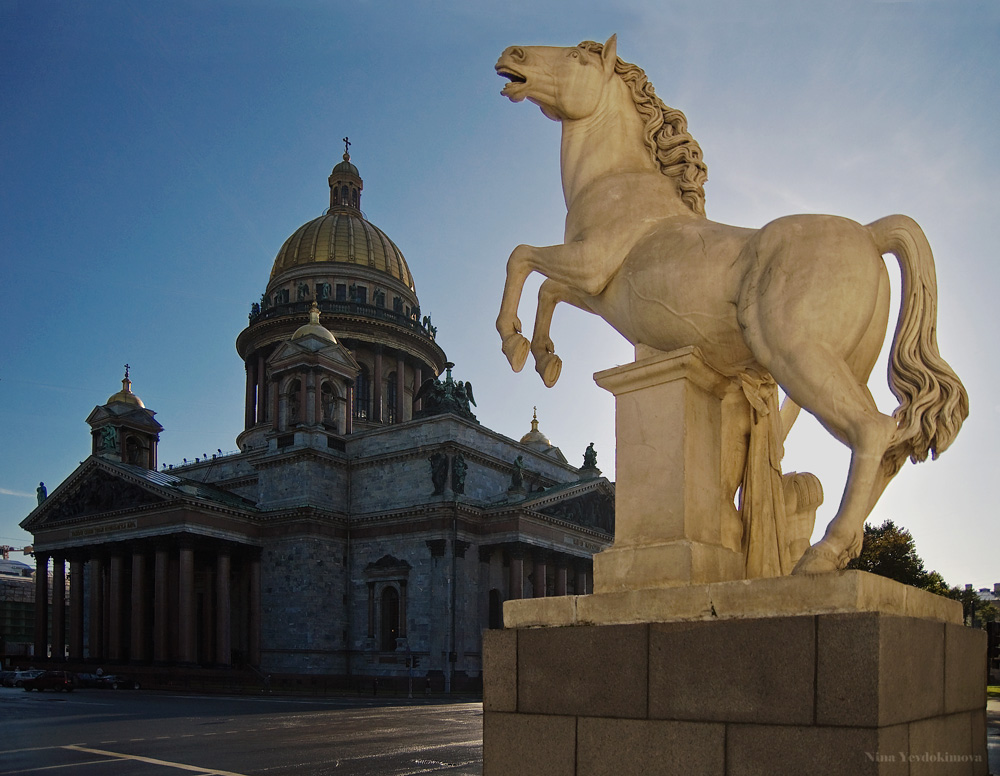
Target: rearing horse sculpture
[(805, 298)]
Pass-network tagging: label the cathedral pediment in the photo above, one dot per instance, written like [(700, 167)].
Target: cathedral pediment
[(96, 488), (127, 414), (590, 504), (313, 350)]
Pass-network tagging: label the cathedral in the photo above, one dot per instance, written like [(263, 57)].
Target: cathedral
[(368, 529)]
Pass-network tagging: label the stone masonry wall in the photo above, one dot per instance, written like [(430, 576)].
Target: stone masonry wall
[(303, 616), (862, 694)]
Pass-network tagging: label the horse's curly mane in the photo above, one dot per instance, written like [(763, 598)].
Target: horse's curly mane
[(665, 133)]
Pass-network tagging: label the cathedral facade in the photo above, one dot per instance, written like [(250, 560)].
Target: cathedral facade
[(368, 526)]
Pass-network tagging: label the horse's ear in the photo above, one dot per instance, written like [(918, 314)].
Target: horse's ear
[(610, 52)]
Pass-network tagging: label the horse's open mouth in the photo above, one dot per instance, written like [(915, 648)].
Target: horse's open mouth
[(515, 79)]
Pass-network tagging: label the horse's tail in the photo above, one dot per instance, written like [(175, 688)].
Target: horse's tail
[(932, 400)]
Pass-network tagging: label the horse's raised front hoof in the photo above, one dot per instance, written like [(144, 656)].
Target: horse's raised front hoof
[(516, 347), (549, 367), (819, 560)]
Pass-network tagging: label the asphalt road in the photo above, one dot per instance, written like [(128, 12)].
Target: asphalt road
[(127, 733)]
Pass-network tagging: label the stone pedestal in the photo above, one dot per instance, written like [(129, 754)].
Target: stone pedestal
[(671, 519), (678, 665), (837, 693)]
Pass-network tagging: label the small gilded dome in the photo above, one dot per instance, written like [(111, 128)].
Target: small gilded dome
[(535, 437), (314, 327), (125, 395)]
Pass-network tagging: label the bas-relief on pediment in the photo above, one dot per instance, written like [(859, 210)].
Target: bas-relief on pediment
[(97, 492), (595, 509)]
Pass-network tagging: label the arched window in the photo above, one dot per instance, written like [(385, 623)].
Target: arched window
[(343, 195), (496, 610), (354, 197), (362, 395), (133, 451), (390, 619), (390, 399), (328, 400), (294, 402)]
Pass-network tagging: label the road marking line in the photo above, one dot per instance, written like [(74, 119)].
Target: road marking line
[(66, 765), (154, 761)]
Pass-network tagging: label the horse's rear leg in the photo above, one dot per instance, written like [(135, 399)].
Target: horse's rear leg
[(822, 383)]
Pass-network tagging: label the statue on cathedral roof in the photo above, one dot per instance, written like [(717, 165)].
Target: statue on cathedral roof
[(443, 396)]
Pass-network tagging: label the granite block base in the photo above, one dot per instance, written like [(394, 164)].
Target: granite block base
[(844, 694)]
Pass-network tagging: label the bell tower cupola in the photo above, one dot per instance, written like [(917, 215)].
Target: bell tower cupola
[(123, 429), (345, 183)]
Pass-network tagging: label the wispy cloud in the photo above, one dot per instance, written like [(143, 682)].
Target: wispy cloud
[(8, 492)]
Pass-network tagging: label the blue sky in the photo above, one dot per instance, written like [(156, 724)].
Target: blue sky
[(154, 157)]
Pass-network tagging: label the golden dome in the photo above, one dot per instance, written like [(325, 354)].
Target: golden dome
[(314, 327), (535, 437), (125, 395), (343, 234)]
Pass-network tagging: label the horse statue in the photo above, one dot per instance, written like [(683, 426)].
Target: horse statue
[(802, 301)]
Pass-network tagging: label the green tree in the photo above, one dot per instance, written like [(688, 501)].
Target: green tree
[(890, 551)]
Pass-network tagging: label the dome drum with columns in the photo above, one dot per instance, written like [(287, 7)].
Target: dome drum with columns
[(347, 269)]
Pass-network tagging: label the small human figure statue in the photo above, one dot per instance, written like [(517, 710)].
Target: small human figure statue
[(590, 457), (109, 438), (517, 476), (41, 492), (439, 472), (458, 469)]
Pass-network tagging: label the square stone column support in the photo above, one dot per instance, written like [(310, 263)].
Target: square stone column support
[(261, 383), (223, 611), (377, 416), (317, 400), (400, 388), (251, 396), (137, 650), (76, 609), (187, 627), (96, 609), (669, 495), (538, 573), (516, 584), (206, 646), (303, 400), (58, 609), (561, 579), (402, 609), (41, 606), (349, 416), (161, 607), (254, 635), (418, 380), (115, 609)]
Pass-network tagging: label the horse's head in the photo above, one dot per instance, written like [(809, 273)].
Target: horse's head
[(566, 83)]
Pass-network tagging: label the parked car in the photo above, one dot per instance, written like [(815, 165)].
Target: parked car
[(112, 681), (21, 676), (62, 681), (117, 681), (7, 678)]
